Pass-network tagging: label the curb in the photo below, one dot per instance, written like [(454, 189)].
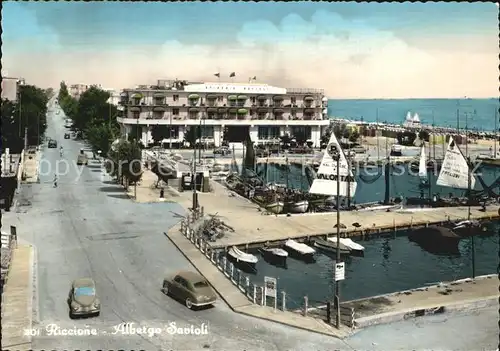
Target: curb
[(390, 317)]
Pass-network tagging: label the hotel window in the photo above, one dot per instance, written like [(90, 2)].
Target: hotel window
[(136, 115), (159, 101), (253, 99), (136, 101), (175, 97), (157, 115), (220, 98), (293, 100), (175, 111)]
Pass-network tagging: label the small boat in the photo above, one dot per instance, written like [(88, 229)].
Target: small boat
[(274, 256), (275, 207), (240, 256), (274, 251), (299, 250), (329, 246), (355, 247), (299, 206), (436, 240)]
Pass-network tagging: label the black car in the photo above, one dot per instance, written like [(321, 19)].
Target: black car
[(66, 135), (52, 144), (223, 150)]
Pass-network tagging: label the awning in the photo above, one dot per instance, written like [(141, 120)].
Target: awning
[(159, 108), (242, 97), (232, 97), (261, 97), (242, 111), (262, 109), (211, 109), (211, 96), (135, 108), (278, 98), (308, 98), (232, 110), (194, 109), (193, 96), (137, 96), (123, 94), (308, 110), (278, 110), (222, 109)]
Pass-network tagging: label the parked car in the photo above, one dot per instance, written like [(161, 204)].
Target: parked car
[(52, 144), (66, 136), (223, 150), (82, 298), (191, 288)]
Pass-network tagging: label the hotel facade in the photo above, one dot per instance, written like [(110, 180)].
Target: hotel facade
[(224, 111)]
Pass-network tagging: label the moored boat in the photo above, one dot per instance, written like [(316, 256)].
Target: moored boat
[(242, 257), (275, 207), (299, 206), (274, 256), (355, 247), (300, 250), (330, 246), (437, 240)]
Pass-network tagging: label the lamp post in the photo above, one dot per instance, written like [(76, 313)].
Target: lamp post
[(469, 185)]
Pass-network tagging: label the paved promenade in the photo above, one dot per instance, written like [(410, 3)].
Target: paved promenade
[(17, 301), (253, 227)]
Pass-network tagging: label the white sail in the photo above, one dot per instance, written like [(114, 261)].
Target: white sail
[(326, 177), (408, 117), (455, 170), (422, 166), (416, 118)]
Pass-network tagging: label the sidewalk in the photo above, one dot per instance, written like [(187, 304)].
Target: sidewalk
[(17, 301), (146, 191), (31, 165)]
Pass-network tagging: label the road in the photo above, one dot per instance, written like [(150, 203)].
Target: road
[(87, 227)]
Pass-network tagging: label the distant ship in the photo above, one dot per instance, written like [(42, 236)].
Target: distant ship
[(412, 122)]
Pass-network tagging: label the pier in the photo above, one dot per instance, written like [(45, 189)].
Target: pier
[(253, 228)]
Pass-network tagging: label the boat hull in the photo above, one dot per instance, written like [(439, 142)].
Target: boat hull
[(489, 161), (331, 247), (273, 259), (436, 240), (276, 207), (245, 266), (299, 206)]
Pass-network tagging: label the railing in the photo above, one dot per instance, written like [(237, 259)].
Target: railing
[(256, 292)]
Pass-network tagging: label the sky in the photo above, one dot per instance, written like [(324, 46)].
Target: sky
[(351, 50)]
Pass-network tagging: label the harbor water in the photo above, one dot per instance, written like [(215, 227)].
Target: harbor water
[(389, 264)]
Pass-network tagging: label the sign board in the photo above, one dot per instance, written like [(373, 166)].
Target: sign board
[(339, 271), (270, 287)]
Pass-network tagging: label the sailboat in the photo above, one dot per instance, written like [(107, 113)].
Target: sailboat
[(422, 165), (326, 177), (455, 169)]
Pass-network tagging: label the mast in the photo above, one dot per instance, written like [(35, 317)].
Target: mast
[(433, 139), (429, 175), (496, 135), (386, 169), (376, 129)]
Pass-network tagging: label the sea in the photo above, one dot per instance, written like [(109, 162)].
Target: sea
[(476, 114)]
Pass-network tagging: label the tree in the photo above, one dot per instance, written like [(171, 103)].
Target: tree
[(406, 138), (93, 108), (100, 137), (49, 93), (354, 136), (300, 136), (423, 135), (160, 132), (126, 157), (192, 133), (30, 111)]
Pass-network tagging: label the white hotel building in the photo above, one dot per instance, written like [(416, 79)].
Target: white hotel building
[(225, 111)]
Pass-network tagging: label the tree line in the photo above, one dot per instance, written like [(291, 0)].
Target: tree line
[(94, 119), (29, 111)]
